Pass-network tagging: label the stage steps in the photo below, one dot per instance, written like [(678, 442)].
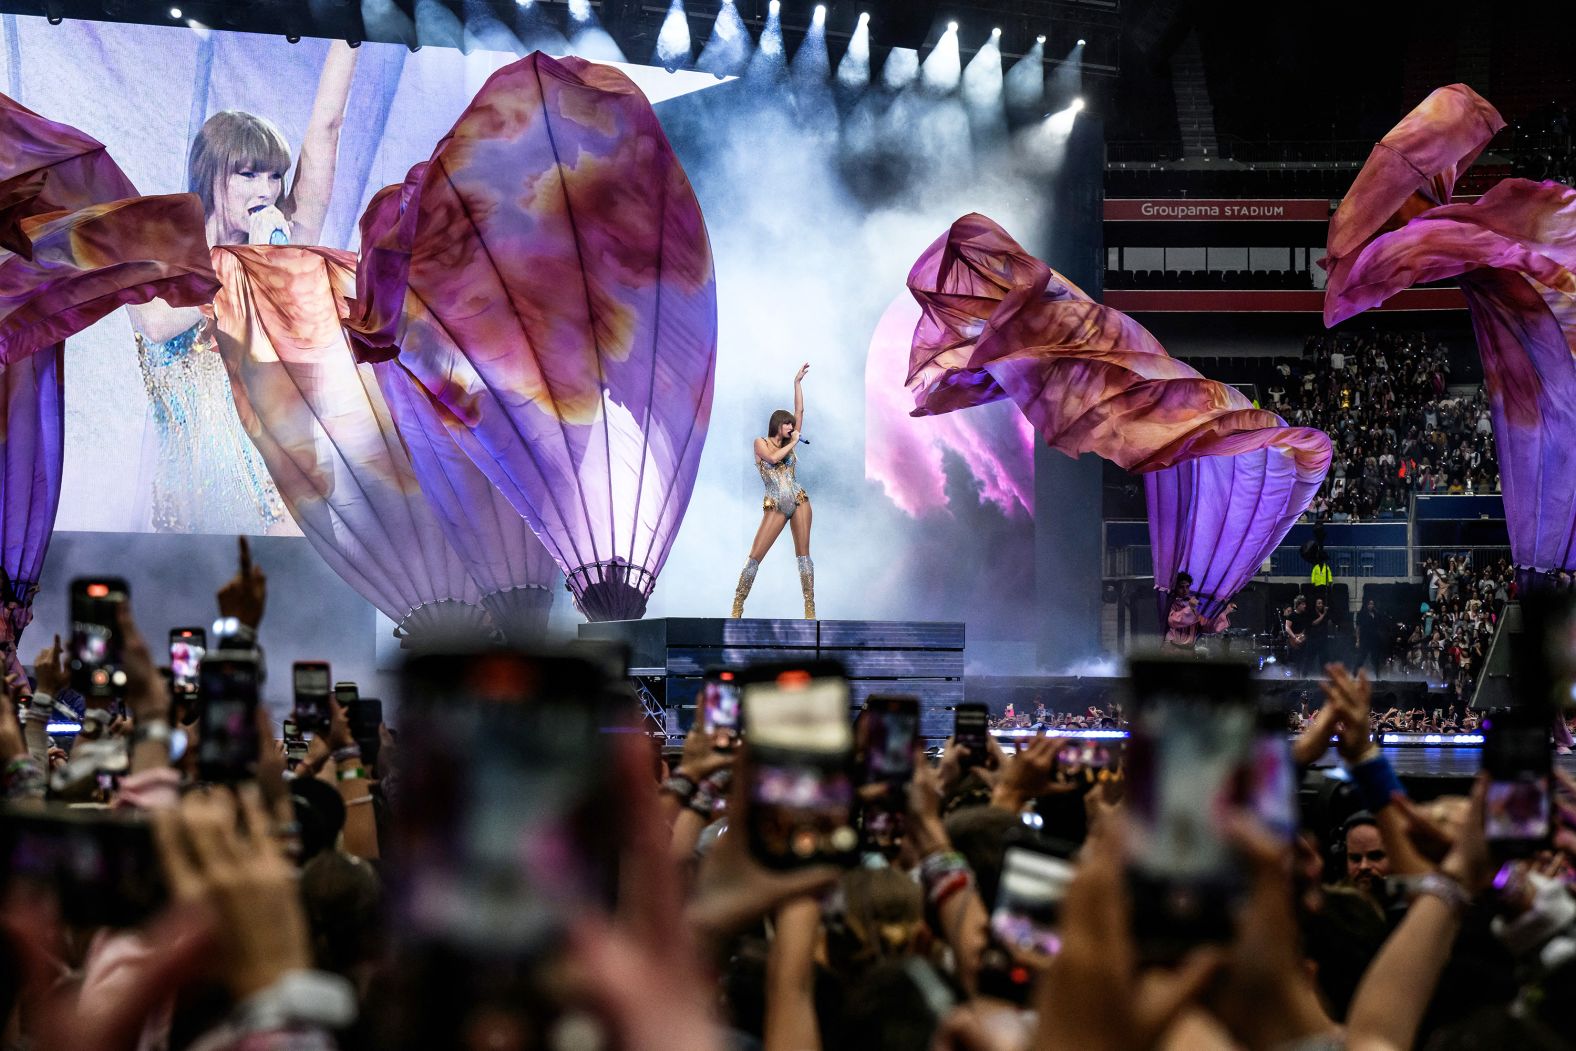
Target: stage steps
[(921, 659)]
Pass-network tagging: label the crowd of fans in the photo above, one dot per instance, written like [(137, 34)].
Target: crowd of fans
[(1384, 400), (654, 921)]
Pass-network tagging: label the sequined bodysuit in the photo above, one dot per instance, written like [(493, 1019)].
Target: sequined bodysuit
[(783, 492), (209, 477)]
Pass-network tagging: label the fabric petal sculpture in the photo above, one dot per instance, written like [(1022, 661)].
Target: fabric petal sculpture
[(907, 455), (547, 278), (79, 243), (1514, 252), (32, 447), (515, 573), (322, 425), (998, 323), (76, 242)]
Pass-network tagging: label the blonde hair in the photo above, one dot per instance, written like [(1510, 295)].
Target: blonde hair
[(234, 141)]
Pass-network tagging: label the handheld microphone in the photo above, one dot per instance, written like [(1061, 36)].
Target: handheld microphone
[(803, 440)]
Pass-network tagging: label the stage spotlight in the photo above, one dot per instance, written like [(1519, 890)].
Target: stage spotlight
[(175, 13), (943, 67), (1080, 41), (812, 65), (854, 70), (770, 58), (982, 79), (292, 38), (901, 69), (580, 10), (673, 42), (351, 42), (414, 47), (728, 50), (995, 34), (864, 18), (1024, 85), (1040, 40), (53, 14), (1078, 105), (523, 3)]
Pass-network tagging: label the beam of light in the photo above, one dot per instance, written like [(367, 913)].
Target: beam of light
[(727, 52), (943, 67), (587, 37), (437, 25), (483, 32), (673, 42), (901, 69), (811, 63), (854, 70), (982, 77), (770, 58), (383, 20), (199, 28), (1066, 80), (538, 32), (1024, 84), (1043, 146)]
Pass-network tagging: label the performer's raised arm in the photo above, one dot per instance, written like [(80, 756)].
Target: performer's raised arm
[(798, 398), (314, 181)]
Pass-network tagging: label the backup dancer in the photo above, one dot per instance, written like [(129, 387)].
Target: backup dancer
[(785, 503)]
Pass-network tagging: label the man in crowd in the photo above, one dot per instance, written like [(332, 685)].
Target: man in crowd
[(1370, 637), (1367, 864)]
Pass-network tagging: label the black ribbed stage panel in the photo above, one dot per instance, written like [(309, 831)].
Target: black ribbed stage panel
[(918, 658)]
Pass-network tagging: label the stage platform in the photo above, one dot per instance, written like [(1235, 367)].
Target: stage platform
[(668, 656)]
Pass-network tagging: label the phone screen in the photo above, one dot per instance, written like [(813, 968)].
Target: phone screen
[(889, 732), (365, 715), (228, 748), (800, 789), (970, 723), (1029, 901), (95, 657), (187, 646), (310, 680), (499, 852), (1518, 812), (719, 707), (101, 867), (1191, 761)]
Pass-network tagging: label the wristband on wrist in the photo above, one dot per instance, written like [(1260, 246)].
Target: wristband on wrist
[(1376, 782), (353, 773), (681, 786), (347, 753), (1447, 889), (150, 730)]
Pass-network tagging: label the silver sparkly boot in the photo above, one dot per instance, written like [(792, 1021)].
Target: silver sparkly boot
[(807, 583), (746, 581)]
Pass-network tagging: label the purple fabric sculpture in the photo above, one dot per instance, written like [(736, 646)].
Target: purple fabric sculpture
[(508, 563), (76, 242), (1225, 481), (32, 444), (547, 278), (1514, 252), (320, 421)]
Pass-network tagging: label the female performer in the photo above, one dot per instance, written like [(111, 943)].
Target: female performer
[(208, 477), (785, 503)]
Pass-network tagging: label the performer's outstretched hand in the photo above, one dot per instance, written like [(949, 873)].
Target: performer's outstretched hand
[(802, 370)]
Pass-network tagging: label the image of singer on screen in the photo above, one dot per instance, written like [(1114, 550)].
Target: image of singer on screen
[(207, 477)]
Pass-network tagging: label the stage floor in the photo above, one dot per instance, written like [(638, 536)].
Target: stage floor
[(1439, 762)]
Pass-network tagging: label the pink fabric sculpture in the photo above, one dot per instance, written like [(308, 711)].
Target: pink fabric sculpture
[(908, 456), (324, 430), (1225, 481), (547, 279), (1514, 253), (76, 242)]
